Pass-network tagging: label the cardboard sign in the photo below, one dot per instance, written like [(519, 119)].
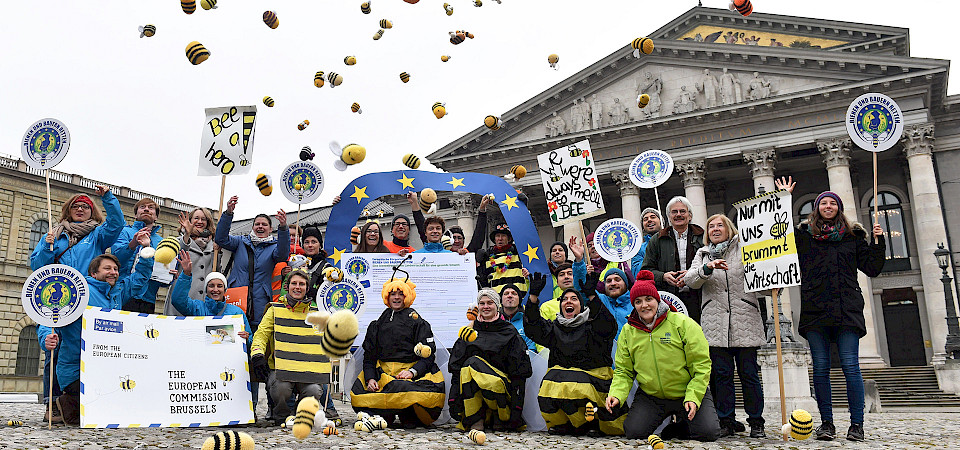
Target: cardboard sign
[(237, 296), (874, 122), (570, 183), (45, 143), (55, 295), (226, 146), (767, 246)]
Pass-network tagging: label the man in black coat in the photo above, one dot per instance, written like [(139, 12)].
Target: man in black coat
[(670, 252)]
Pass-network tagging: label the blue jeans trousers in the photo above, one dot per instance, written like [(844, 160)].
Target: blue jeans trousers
[(848, 346)]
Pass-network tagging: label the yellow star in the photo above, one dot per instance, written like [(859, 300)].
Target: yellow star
[(337, 254), (359, 193), (531, 253), (456, 182), (511, 202), (406, 182)]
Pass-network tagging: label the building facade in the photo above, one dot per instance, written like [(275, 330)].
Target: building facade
[(23, 223), (737, 101)]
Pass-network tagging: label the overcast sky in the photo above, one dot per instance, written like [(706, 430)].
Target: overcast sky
[(134, 106)]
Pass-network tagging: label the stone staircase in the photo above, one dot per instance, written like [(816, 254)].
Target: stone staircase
[(898, 386)]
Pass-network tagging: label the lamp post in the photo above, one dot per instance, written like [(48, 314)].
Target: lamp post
[(953, 327)]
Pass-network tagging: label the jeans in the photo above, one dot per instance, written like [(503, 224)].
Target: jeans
[(722, 377), (49, 368), (281, 390), (646, 412), (848, 346)]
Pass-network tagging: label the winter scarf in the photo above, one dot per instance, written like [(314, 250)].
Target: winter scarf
[(259, 240), (75, 230), (576, 321), (717, 250), (833, 233)]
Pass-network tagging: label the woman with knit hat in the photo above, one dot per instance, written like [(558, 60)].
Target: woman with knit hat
[(400, 377), (601, 265), (213, 303), (668, 356), (831, 251), (578, 379), (488, 373), (731, 321)]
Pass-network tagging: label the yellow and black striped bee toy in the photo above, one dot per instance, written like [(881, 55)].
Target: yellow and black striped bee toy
[(227, 375), (492, 122), (151, 333), (265, 184), (642, 45), (439, 109), (303, 125), (15, 423), (335, 79), (378, 35), (197, 53), (477, 3), (365, 7), (148, 31), (412, 161), (208, 4), (404, 77), (386, 24), (270, 18), (448, 8), (229, 440), (355, 107), (349, 155), (318, 79), (306, 153), (350, 60), (444, 58), (589, 412), (188, 6), (127, 384), (268, 101)]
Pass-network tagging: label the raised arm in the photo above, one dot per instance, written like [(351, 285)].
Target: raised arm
[(222, 236), (107, 232)]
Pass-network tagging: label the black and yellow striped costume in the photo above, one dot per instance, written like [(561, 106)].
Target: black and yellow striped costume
[(502, 267), (388, 350), (580, 369), (488, 377), (296, 356)]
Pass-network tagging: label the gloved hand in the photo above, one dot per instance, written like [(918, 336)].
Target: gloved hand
[(538, 281), (473, 311), (259, 367), (589, 285)]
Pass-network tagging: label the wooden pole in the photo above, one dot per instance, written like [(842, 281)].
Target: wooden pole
[(53, 368), (657, 194), (776, 333), (46, 176), (223, 186), (876, 214)]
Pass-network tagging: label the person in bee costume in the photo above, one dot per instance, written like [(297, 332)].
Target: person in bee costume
[(400, 376), (580, 340), (295, 354), (489, 372), (502, 265)]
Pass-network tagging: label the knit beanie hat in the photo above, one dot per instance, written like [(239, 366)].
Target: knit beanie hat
[(579, 296), (566, 251), (651, 210), (398, 217), (311, 232), (510, 286), (615, 271), (644, 286), (214, 276), (491, 294), (832, 195)]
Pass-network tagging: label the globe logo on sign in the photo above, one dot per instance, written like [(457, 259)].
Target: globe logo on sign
[(54, 296), (357, 266), (347, 294), (651, 169), (874, 122), (45, 144), (304, 178), (618, 239)]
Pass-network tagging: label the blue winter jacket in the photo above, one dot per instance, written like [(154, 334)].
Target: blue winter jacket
[(265, 256), (206, 307), (126, 256), (101, 295), (517, 322), (432, 247), (620, 307), (92, 245), (637, 261)]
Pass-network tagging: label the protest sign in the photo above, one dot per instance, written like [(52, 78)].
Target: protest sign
[(226, 146), (45, 144), (134, 373), (767, 246), (617, 240), (570, 183), (55, 295), (301, 182), (446, 285)]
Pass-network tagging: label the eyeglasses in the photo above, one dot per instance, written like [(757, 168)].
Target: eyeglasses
[(373, 232), (401, 224), (678, 211), (79, 206)]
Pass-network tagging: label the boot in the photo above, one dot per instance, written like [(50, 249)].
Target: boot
[(57, 416), (756, 428), (727, 427), (69, 406)]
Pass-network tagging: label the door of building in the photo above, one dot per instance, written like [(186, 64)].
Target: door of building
[(901, 317)]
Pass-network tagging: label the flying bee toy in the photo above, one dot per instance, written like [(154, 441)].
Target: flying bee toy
[(355, 107), (167, 250), (303, 125), (148, 31), (229, 440), (318, 79), (349, 155), (265, 184), (350, 60), (306, 153), (472, 312), (492, 122), (455, 38), (428, 200), (386, 24), (477, 3), (444, 58), (468, 334), (270, 18), (378, 35), (439, 109), (404, 77), (642, 45), (339, 334), (744, 7), (335, 79), (197, 53), (412, 161), (516, 172), (268, 101), (208, 4), (643, 100), (333, 274), (307, 412), (188, 6), (365, 7), (553, 59), (448, 9)]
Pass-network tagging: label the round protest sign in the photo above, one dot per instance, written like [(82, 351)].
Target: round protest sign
[(45, 144), (675, 301), (55, 295), (301, 182), (617, 240), (344, 294), (651, 169), (874, 122)]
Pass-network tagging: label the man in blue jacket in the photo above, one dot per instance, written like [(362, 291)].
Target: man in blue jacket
[(128, 247), (434, 227), (105, 292), (651, 223)]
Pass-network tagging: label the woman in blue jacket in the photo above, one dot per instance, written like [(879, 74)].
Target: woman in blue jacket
[(213, 303), (81, 233)]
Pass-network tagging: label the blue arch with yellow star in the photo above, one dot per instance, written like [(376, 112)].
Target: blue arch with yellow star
[(361, 191)]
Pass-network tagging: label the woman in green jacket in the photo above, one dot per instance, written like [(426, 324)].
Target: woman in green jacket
[(668, 356)]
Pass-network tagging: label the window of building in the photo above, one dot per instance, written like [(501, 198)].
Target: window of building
[(891, 219), (805, 209), (38, 230), (28, 352)]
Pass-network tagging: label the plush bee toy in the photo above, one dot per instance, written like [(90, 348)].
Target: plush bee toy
[(308, 410), (800, 425), (349, 155), (15, 423), (439, 109), (643, 100), (340, 332), (744, 7), (265, 184), (412, 161), (553, 59), (428, 200), (197, 53), (589, 412), (472, 312), (467, 334), (333, 274), (655, 442), (516, 172), (421, 350), (642, 45), (229, 440), (492, 122), (166, 251), (478, 437), (355, 235)]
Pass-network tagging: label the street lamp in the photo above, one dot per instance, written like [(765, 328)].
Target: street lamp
[(953, 327)]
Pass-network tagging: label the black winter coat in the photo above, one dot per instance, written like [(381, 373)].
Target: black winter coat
[(587, 346), (393, 336), (829, 292), (661, 255)]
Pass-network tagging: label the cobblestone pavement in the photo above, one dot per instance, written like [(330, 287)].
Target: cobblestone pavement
[(893, 429)]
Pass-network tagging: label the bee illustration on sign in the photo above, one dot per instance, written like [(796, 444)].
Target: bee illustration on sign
[(874, 122), (301, 182), (227, 375), (127, 384), (225, 151), (151, 333), (779, 228)]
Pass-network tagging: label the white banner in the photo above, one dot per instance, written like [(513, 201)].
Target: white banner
[(570, 183), (767, 246), (162, 371), (226, 146), (446, 285)]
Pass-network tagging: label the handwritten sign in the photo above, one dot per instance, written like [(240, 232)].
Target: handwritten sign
[(767, 245), (226, 146), (570, 183)]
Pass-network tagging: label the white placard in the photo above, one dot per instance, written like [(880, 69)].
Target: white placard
[(446, 286), (301, 182), (874, 122), (226, 146), (617, 240), (570, 183), (651, 169), (55, 295), (162, 371), (675, 301), (767, 246), (45, 143)]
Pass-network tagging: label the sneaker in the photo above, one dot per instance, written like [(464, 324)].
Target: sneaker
[(756, 432), (727, 427), (738, 426), (855, 433), (826, 432)]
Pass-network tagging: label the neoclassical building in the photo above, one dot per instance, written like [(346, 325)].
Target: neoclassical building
[(739, 101)]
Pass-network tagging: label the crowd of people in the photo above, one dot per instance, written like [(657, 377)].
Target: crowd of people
[(621, 360)]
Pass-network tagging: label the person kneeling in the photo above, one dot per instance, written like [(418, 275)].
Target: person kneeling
[(399, 377), (669, 357)]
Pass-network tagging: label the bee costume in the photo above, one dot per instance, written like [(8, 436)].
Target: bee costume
[(394, 343), (488, 375), (580, 365)]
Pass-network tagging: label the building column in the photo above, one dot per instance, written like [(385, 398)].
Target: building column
[(762, 164), (693, 173), (463, 207), (836, 156), (928, 221), (629, 197)]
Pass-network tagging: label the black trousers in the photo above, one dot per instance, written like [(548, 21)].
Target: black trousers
[(140, 306), (745, 359), (691, 299), (647, 412)]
